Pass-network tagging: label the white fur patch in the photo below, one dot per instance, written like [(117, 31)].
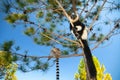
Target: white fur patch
[(78, 28), (84, 36)]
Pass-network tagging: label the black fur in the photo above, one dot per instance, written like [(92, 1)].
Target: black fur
[(89, 60), (78, 34)]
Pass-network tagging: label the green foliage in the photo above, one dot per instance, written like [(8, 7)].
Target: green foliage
[(5, 6), (64, 52), (52, 4), (15, 16), (32, 1), (79, 3), (7, 46), (20, 3), (52, 27), (49, 14), (10, 72), (101, 36), (15, 58), (48, 19), (45, 66), (96, 38), (101, 75), (29, 31), (40, 14), (9, 68), (36, 40), (93, 37), (5, 58), (45, 37), (17, 48)]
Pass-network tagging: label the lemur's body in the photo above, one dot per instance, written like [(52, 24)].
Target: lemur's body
[(80, 32), (55, 52)]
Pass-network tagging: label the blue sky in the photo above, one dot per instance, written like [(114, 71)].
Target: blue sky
[(107, 55)]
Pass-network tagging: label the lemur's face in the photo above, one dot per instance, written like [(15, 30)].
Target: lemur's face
[(79, 30), (73, 16)]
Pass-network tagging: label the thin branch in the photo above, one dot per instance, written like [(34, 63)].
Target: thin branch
[(94, 19), (106, 37), (65, 13), (89, 11), (84, 8), (62, 56), (63, 10), (51, 38), (66, 38), (40, 27), (59, 41), (113, 3)]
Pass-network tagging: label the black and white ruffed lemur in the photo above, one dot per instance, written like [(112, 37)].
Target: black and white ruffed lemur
[(55, 52), (79, 30)]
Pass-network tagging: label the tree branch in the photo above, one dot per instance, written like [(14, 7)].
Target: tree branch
[(75, 55), (84, 8), (89, 11), (74, 6), (40, 27), (59, 41), (62, 56), (65, 13), (107, 36), (94, 19)]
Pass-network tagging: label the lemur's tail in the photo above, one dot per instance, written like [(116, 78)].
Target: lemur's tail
[(90, 64), (57, 69)]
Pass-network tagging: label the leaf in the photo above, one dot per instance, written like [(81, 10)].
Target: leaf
[(32, 1), (52, 3), (17, 48), (93, 37), (40, 14), (29, 31), (45, 66), (10, 72), (35, 40), (10, 19), (48, 19), (107, 77), (7, 45), (101, 36), (14, 17), (21, 4), (15, 58), (45, 37), (65, 52), (5, 58), (79, 3)]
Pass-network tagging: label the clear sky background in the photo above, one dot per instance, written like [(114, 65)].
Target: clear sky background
[(108, 55)]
